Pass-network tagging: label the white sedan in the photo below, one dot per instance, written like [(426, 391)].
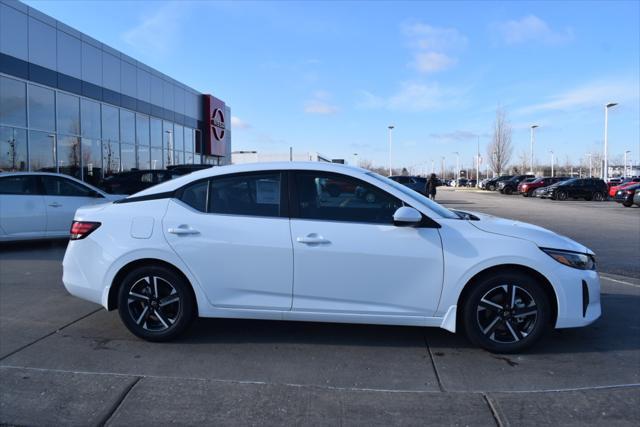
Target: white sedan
[(40, 205), (324, 242)]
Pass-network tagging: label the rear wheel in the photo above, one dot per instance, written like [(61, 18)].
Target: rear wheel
[(508, 191), (530, 193), (491, 187), (155, 303), (562, 195), (627, 204), (598, 196), (506, 313)]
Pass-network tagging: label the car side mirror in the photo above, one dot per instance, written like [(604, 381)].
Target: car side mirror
[(407, 216)]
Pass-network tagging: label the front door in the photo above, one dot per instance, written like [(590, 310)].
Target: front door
[(350, 258), (233, 234)]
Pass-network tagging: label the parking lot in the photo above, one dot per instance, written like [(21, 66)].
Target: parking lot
[(66, 361)]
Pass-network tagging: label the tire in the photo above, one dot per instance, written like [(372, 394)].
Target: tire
[(561, 195), (627, 204), (488, 313), (491, 187), (530, 193), (162, 306), (597, 196), (508, 191)]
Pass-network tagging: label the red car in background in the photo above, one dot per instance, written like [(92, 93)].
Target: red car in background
[(627, 182), (527, 188)]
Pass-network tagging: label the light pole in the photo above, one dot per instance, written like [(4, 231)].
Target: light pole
[(433, 170), (624, 168), (552, 161), (495, 160), (590, 165), (355, 159), (478, 163), (605, 170), (533, 138), (442, 168), (390, 127), (457, 166)]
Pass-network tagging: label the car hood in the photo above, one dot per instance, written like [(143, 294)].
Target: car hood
[(540, 236)]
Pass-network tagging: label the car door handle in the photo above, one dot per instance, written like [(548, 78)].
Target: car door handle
[(55, 205), (183, 230), (312, 239)]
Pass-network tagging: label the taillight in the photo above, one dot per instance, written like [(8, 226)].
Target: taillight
[(81, 229)]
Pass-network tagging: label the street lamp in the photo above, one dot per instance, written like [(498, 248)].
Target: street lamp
[(552, 161), (457, 166), (625, 163), (390, 127), (478, 164), (605, 170), (533, 138), (442, 168), (590, 165), (355, 159), (433, 170)]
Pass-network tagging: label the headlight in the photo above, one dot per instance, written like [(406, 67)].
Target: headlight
[(572, 259)]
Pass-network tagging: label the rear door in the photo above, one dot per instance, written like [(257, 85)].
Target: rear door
[(232, 232), (62, 198), (22, 208)]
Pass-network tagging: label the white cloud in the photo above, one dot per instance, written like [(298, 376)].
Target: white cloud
[(319, 104), (458, 135), (158, 32), (428, 62), (238, 123), (432, 46), (594, 94), (413, 96), (532, 29)]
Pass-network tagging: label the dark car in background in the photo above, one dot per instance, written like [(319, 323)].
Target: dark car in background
[(510, 186), (131, 182), (472, 183), (636, 198), (625, 195), (579, 188), (527, 188), (492, 184), (416, 183)]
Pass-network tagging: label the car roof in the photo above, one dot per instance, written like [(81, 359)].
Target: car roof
[(176, 183)]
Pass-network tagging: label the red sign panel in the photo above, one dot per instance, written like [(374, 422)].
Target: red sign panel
[(214, 131)]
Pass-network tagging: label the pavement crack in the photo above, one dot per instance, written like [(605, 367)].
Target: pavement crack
[(433, 364), (494, 410), (118, 403), (49, 334)]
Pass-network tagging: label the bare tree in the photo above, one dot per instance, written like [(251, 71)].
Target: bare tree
[(500, 149)]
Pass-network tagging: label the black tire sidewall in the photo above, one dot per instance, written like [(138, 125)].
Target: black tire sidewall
[(187, 304), (524, 281)]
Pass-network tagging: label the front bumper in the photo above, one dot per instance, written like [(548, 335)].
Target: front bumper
[(581, 293)]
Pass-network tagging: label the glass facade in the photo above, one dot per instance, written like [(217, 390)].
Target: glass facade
[(44, 129)]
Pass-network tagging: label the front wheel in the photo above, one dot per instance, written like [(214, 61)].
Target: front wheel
[(155, 303), (598, 196), (491, 187), (508, 191), (562, 195), (506, 313)]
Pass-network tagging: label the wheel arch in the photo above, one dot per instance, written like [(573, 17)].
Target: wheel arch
[(112, 300), (546, 285)]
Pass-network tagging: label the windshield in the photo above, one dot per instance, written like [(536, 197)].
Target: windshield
[(440, 210)]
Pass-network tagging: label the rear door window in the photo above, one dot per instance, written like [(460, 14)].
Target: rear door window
[(23, 185), (246, 194), (57, 186)]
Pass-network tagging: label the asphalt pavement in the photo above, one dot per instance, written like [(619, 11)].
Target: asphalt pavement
[(64, 361)]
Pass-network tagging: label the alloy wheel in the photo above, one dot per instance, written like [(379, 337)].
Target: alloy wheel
[(153, 303), (507, 314), (597, 196)]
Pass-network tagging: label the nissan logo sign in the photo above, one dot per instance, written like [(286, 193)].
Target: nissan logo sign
[(217, 124)]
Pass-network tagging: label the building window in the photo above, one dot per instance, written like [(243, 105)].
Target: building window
[(68, 111), (110, 157), (142, 130), (90, 118), (167, 135), (13, 149), (41, 108), (156, 132), (110, 123), (156, 158), (42, 152), (13, 102), (91, 160), (68, 151), (178, 143), (144, 161), (127, 127)]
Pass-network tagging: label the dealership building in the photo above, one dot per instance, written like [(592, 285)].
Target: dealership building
[(73, 105)]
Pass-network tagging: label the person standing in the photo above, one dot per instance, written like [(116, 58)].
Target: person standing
[(430, 189)]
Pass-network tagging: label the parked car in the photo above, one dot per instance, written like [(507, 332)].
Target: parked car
[(472, 182), (492, 184), (510, 186), (402, 260), (625, 195), (39, 205), (614, 181), (415, 183), (636, 198), (461, 182), (527, 188), (579, 188), (133, 181), (627, 182), (483, 183)]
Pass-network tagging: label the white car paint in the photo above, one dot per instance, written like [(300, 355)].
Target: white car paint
[(298, 269), (41, 216)]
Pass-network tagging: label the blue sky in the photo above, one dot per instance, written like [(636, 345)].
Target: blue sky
[(330, 76)]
